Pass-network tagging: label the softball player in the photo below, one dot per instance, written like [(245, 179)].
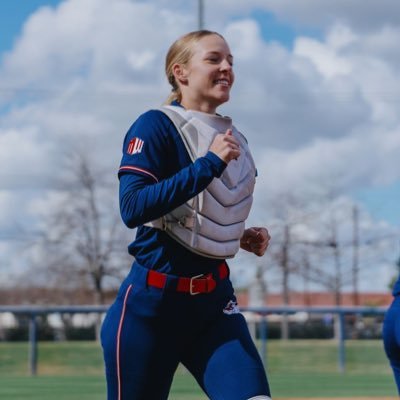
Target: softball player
[(391, 333), (186, 183)]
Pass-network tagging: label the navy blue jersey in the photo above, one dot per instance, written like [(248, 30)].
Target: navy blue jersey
[(156, 176)]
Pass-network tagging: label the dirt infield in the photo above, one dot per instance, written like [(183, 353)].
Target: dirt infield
[(336, 398)]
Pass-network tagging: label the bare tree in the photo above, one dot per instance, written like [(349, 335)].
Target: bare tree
[(288, 213), (323, 238), (345, 241), (282, 258), (355, 258), (329, 272), (84, 241)]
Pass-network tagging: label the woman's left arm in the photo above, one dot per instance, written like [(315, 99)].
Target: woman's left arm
[(255, 240)]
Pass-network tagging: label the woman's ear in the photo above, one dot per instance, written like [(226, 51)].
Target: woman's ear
[(180, 73)]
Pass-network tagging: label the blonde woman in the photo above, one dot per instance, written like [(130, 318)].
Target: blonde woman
[(186, 184)]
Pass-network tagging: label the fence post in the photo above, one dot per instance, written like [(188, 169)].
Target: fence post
[(342, 349), (33, 344), (263, 336)]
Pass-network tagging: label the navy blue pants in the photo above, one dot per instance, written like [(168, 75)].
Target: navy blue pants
[(391, 338), (148, 331)]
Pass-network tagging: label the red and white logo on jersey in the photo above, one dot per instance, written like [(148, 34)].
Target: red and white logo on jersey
[(135, 146), (231, 308)]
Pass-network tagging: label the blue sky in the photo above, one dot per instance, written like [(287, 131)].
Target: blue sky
[(383, 202), (274, 29), (315, 92), (13, 14)]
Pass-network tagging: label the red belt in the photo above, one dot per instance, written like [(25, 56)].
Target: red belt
[(195, 285)]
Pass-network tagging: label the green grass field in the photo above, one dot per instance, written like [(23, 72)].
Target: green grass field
[(74, 370)]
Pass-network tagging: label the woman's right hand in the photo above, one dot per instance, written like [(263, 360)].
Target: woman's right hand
[(226, 146)]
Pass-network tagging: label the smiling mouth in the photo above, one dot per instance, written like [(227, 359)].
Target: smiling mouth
[(223, 82)]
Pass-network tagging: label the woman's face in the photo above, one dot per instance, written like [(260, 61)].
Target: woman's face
[(207, 79)]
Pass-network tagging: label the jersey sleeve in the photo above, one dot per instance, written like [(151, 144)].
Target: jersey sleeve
[(143, 200), (145, 148)]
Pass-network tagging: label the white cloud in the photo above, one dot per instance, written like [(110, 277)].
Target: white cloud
[(323, 112), (244, 36), (326, 56), (90, 40), (363, 159), (362, 15), (22, 164)]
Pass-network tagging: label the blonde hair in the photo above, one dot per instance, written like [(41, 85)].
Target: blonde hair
[(181, 52)]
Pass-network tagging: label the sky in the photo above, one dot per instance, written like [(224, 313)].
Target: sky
[(317, 95)]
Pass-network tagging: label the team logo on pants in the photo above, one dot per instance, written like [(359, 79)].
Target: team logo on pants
[(231, 308), (135, 146)]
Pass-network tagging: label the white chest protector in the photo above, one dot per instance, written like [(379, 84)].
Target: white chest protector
[(212, 223)]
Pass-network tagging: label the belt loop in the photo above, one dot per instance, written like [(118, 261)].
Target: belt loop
[(223, 270), (171, 282), (211, 283)]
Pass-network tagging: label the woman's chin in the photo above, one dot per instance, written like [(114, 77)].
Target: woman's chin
[(223, 98)]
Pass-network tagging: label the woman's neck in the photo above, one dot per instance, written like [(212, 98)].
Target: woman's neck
[(204, 107)]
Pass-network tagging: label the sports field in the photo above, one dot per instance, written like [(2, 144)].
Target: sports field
[(296, 369)]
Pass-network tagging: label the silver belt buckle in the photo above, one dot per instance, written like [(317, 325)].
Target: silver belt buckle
[(191, 291)]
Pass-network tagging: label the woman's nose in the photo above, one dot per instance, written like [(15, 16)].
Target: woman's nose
[(226, 65)]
